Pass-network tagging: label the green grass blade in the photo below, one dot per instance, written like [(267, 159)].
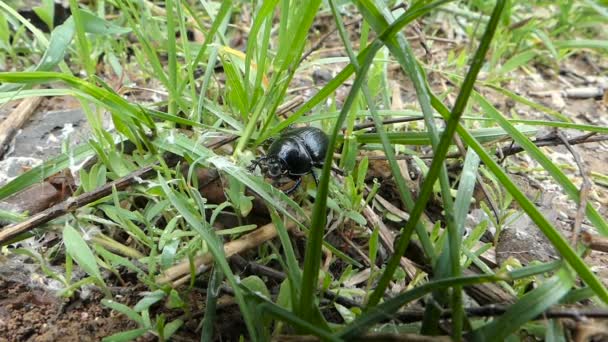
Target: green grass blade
[(293, 269), (315, 238), (404, 192)]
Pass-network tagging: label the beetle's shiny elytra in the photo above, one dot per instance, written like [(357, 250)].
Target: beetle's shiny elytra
[(294, 154)]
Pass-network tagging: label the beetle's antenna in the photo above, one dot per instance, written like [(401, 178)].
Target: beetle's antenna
[(255, 163), (338, 171)]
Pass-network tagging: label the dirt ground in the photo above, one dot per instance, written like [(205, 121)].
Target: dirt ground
[(28, 314)]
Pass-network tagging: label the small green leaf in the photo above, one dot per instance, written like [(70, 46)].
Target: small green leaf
[(149, 300), (168, 254), (516, 61), (373, 245), (125, 336), (345, 312), (171, 328), (245, 205), (284, 299), (257, 285), (175, 301), (78, 249), (355, 216), (123, 309)]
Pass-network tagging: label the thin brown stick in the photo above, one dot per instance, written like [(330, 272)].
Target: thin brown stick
[(290, 106), (387, 122), (410, 316), (388, 240), (176, 274), (584, 190), (11, 125), (322, 40), (73, 203), (552, 140), (511, 150), (595, 242)]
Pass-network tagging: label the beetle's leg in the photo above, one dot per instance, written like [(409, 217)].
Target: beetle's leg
[(294, 187), (314, 175)]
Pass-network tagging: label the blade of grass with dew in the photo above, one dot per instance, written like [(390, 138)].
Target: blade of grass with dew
[(214, 245), (542, 159), (440, 152), (343, 75), (558, 241), (528, 307)]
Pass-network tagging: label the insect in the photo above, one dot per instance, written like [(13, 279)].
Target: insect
[(294, 154)]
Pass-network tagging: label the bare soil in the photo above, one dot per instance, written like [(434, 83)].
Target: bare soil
[(35, 315)]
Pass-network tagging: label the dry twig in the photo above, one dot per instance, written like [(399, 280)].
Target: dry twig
[(16, 119), (584, 191), (595, 242), (180, 273)]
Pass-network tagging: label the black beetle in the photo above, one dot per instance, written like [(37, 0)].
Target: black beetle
[(294, 154)]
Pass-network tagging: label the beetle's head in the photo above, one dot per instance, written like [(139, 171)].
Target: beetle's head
[(275, 169)]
